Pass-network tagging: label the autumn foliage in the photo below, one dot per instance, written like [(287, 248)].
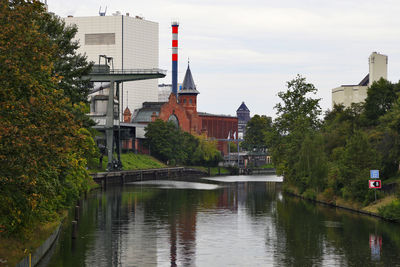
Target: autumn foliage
[(43, 147)]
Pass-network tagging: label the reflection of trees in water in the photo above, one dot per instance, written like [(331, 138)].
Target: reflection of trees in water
[(123, 225), (258, 197), (309, 229)]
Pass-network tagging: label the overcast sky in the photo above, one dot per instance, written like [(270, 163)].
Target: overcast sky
[(248, 50)]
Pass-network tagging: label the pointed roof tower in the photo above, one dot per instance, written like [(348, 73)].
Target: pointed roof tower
[(188, 86), (243, 107)]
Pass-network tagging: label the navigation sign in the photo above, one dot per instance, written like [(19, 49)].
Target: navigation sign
[(374, 174), (375, 184)]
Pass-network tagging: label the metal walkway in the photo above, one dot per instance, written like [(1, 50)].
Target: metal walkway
[(117, 75)]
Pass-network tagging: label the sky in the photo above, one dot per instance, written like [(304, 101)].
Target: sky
[(248, 50)]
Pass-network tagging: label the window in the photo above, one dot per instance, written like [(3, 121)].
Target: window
[(174, 119), (190, 101), (100, 39), (184, 101)]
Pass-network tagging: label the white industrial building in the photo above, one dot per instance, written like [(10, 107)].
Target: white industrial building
[(132, 42), (347, 94)]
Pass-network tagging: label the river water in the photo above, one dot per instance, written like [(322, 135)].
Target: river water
[(244, 221)]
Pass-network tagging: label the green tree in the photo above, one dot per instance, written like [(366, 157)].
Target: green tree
[(42, 164), (297, 117), (257, 130), (169, 143), (380, 98), (339, 124), (357, 158), (164, 141), (206, 153), (312, 167)]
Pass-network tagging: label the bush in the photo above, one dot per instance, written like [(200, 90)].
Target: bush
[(309, 194), (391, 211), (329, 194)]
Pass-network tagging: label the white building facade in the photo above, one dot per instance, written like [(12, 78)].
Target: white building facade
[(348, 94), (132, 42)]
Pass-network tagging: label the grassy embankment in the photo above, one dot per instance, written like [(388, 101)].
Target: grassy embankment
[(13, 250), (387, 205), (130, 161)]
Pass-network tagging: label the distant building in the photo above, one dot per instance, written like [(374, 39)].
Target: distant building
[(132, 42), (164, 90), (347, 94), (182, 110), (243, 114)]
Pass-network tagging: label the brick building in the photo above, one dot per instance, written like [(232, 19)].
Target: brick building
[(183, 112)]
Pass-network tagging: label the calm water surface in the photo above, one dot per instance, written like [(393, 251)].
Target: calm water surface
[(244, 222)]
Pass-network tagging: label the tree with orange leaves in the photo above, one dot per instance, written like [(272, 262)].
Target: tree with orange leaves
[(42, 157)]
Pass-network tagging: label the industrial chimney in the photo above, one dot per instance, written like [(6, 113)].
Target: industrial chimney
[(175, 26)]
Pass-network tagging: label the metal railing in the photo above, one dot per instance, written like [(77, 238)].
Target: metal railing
[(129, 71)]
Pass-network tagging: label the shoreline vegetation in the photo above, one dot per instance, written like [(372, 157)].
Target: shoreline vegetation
[(373, 209), (329, 158)]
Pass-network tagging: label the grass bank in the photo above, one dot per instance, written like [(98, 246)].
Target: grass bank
[(387, 207), (130, 161), (13, 250)]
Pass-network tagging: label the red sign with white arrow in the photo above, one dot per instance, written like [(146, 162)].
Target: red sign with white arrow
[(375, 184)]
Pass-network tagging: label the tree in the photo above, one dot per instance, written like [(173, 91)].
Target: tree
[(312, 166), (257, 130), (380, 98), (357, 158), (339, 124), (69, 66), (164, 141), (42, 163), (206, 153), (170, 144), (297, 110), (297, 117)]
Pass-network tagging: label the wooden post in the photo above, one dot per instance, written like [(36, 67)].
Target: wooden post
[(74, 229), (219, 170), (122, 179), (76, 213)]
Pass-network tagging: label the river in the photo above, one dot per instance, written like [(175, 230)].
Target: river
[(244, 221)]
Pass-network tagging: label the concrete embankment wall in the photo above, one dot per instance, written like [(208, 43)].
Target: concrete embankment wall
[(34, 258), (123, 177)]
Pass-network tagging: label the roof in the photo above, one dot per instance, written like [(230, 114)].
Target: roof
[(243, 107), (188, 86), (365, 81), (144, 114)]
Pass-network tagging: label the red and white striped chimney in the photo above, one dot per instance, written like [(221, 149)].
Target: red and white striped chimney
[(175, 26)]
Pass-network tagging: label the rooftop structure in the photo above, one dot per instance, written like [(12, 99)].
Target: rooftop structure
[(133, 44), (348, 94), (243, 114)]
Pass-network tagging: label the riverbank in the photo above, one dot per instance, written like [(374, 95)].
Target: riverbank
[(371, 210), (130, 161), (14, 250)]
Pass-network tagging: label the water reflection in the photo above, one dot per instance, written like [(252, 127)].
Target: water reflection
[(375, 243), (237, 224)]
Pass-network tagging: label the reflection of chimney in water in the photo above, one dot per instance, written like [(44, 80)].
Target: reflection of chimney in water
[(172, 252), (175, 26)]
